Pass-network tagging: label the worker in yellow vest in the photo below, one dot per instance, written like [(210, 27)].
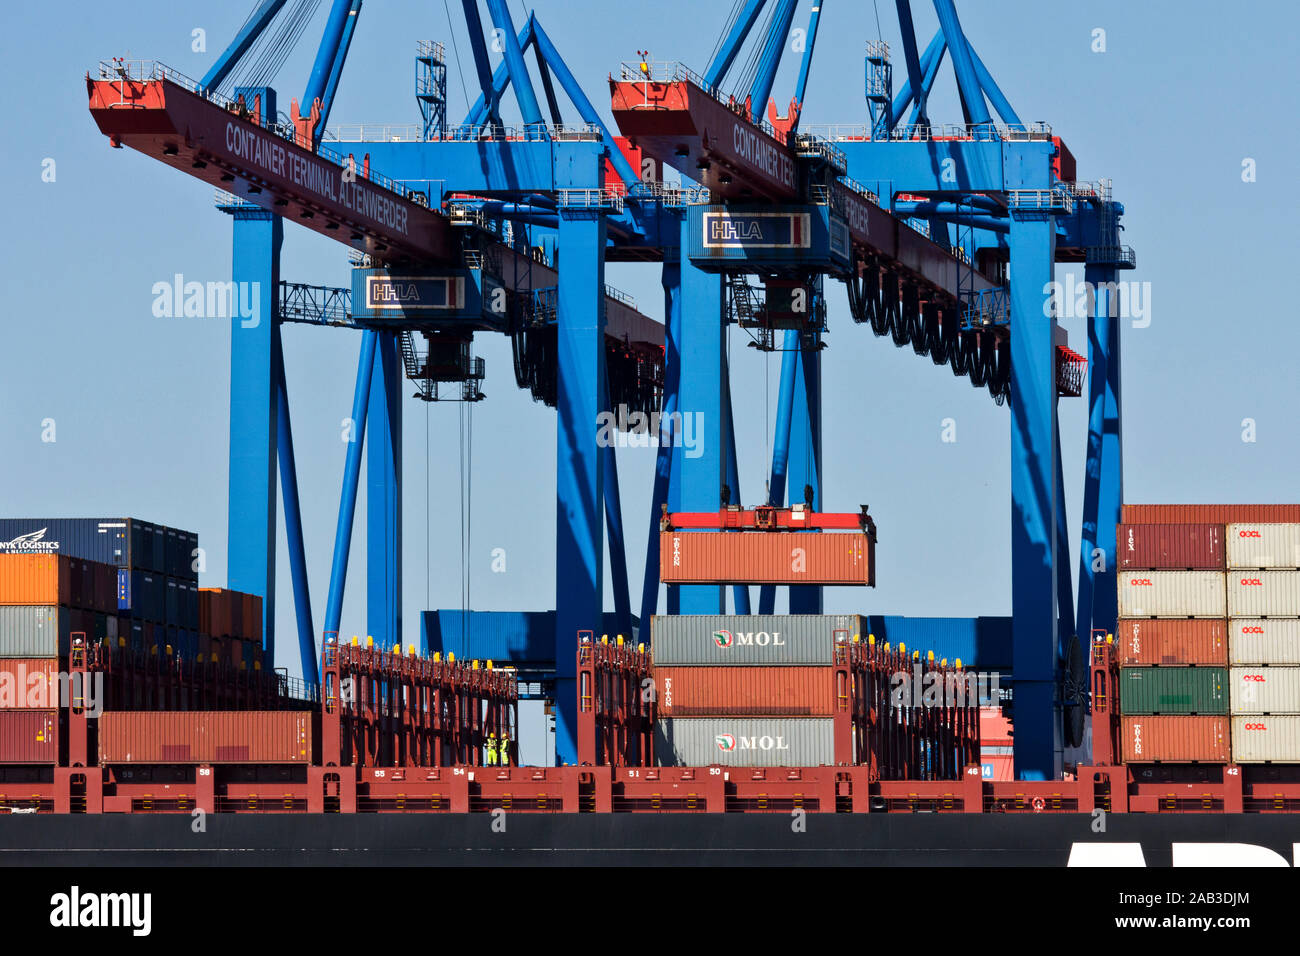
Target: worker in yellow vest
[(505, 749), (492, 750)]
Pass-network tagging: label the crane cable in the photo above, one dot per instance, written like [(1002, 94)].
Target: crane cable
[(451, 32)]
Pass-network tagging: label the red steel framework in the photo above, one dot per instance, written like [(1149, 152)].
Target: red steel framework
[(425, 711)]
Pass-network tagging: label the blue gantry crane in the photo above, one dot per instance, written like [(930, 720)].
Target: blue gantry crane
[(489, 228)]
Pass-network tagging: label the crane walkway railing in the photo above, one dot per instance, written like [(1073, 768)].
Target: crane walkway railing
[(470, 133)]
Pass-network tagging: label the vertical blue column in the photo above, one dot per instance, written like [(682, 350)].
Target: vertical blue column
[(1032, 241), (254, 412), (672, 283), (781, 446), (384, 495), (579, 496), (739, 592), (617, 544), (700, 469), (806, 454), (307, 652), (1103, 474)]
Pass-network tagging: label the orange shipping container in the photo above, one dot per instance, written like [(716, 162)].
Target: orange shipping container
[(1175, 739), (766, 557), (732, 691), (1172, 641), (57, 580), (180, 737), (29, 683)]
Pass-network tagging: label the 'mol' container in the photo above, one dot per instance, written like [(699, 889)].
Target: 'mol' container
[(752, 639), (766, 557), (1173, 690), (1262, 545), (1171, 594), (184, 737), (1271, 739), (1171, 641), (1174, 547), (1260, 640), (1264, 593), (1175, 739), (745, 741)]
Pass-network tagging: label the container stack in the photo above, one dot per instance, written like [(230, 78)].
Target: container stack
[(1171, 643), (44, 600), (749, 691), (156, 579), (230, 626), (1208, 639), (1264, 643)]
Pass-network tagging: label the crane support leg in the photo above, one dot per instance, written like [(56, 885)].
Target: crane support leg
[(354, 434), (739, 592), (617, 544), (254, 413), (806, 453), (581, 394), (672, 283), (1103, 475), (384, 495), (1033, 498), (698, 468), (307, 651), (781, 446)]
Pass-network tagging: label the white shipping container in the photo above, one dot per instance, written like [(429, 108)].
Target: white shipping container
[(1171, 594), (1259, 640), (1264, 594), (1263, 545), (1260, 739), (745, 741), (1264, 690)]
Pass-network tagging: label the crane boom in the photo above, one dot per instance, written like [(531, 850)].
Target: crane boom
[(162, 114), (681, 124)]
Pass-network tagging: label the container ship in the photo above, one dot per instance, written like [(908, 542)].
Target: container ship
[(1147, 710), (108, 716)]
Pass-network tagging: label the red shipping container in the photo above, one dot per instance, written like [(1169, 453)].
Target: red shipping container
[(29, 736), (1208, 514), (29, 683), (766, 557), (1170, 547), (1172, 641), (181, 737), (733, 691), (1175, 739)]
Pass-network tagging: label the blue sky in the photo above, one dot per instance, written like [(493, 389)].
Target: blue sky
[(140, 403)]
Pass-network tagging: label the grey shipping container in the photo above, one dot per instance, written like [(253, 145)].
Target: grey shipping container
[(1264, 593), (745, 742), (1265, 690), (721, 639), (1171, 594), (38, 631), (1269, 739)]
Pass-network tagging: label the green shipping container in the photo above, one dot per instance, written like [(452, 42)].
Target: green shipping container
[(1173, 690)]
